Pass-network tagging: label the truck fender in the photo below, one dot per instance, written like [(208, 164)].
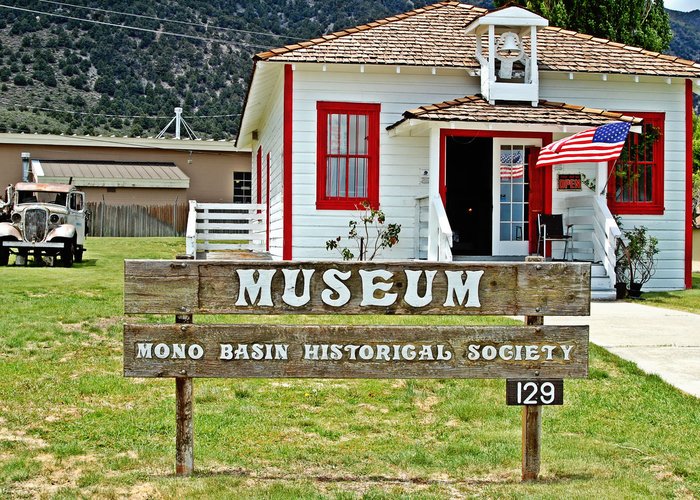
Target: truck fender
[(7, 231), (64, 231)]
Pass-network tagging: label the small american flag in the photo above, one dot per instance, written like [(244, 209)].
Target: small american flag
[(597, 144), (512, 164)]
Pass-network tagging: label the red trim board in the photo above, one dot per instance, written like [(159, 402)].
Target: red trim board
[(688, 183), (267, 190), (287, 164), (258, 175)]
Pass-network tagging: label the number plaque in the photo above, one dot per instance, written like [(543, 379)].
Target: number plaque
[(534, 392)]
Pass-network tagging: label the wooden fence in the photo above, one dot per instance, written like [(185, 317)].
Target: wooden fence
[(137, 220)]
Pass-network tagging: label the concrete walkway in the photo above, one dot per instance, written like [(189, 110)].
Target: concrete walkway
[(660, 341)]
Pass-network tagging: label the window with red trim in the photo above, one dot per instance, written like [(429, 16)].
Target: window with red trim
[(636, 184), (347, 155)]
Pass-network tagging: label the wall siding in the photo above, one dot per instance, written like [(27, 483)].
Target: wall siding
[(270, 138), (621, 93), (403, 159)]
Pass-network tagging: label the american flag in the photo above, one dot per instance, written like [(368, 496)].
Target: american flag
[(512, 164), (597, 144)]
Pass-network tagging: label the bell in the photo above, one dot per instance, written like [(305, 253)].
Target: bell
[(511, 44)]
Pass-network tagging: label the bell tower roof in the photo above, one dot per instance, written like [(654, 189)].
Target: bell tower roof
[(512, 16)]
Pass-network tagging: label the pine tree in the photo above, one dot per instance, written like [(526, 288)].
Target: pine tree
[(642, 23)]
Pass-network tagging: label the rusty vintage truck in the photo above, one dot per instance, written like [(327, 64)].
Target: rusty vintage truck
[(45, 220)]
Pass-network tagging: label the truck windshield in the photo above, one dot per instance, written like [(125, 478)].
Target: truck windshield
[(41, 197)]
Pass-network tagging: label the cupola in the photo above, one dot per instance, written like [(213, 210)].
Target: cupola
[(506, 48)]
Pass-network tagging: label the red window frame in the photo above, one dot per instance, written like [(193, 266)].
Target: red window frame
[(636, 169), (372, 112)]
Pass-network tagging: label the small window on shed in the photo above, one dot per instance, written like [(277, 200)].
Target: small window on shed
[(242, 187)]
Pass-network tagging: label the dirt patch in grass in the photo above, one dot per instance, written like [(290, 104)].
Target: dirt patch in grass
[(141, 491), (55, 475), (331, 481), (19, 436)]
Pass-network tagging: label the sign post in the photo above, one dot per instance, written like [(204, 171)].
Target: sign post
[(184, 413), (186, 351), (532, 419)]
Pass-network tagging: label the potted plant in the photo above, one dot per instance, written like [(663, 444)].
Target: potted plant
[(636, 259)]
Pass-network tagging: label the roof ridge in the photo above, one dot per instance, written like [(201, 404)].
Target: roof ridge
[(632, 48), (372, 24)]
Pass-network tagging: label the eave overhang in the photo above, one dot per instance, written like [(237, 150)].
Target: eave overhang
[(262, 84), (474, 113)]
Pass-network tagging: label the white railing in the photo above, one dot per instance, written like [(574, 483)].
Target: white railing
[(422, 228), (191, 232), (225, 226), (605, 235), (440, 238)]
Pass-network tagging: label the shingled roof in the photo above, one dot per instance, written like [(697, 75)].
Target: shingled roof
[(435, 35), (476, 109)]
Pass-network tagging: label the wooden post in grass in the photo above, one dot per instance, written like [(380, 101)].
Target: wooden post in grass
[(184, 401), (532, 416)]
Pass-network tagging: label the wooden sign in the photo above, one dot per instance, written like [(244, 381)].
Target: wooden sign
[(185, 350), (535, 392), (270, 351), (411, 287), (569, 182)]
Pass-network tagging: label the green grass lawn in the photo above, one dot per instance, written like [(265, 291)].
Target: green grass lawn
[(72, 426), (683, 300)]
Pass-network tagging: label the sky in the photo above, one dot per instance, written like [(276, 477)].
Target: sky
[(684, 5)]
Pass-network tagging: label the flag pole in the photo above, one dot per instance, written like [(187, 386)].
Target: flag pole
[(612, 170)]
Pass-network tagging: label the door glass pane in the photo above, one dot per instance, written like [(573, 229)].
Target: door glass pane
[(517, 212), (505, 192), (505, 232), (517, 232), (513, 193), (517, 193), (505, 212)]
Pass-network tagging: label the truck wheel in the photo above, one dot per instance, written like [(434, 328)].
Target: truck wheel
[(78, 254), (67, 254), (4, 255)]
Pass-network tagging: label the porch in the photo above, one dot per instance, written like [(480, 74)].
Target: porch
[(594, 238), (485, 190)]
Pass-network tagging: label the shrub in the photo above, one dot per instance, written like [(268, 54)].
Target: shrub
[(373, 237)]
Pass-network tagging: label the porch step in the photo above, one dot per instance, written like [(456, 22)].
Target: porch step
[(598, 271), (603, 295), (600, 284)]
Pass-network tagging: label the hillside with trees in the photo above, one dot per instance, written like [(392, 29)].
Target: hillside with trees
[(75, 68), (686, 34)]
